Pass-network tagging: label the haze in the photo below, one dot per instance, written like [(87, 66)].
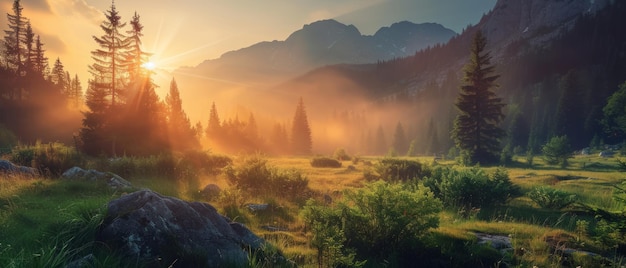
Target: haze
[(189, 32)]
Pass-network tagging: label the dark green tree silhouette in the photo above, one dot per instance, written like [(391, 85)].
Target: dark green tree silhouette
[(614, 120), (182, 135), (301, 142), (557, 151), (110, 58), (400, 143), (136, 57), (476, 131), (381, 142), (13, 47), (214, 126)]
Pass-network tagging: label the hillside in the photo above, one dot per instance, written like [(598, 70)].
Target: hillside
[(556, 73)]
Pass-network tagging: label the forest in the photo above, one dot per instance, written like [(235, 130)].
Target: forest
[(452, 157)]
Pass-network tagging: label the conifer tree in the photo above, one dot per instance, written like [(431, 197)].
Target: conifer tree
[(476, 130), (182, 135), (214, 127), (28, 40), (110, 58), (381, 141), (13, 49), (38, 60), (76, 92), (136, 57), (399, 140), (59, 76), (301, 133)]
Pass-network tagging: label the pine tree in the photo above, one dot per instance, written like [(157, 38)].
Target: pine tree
[(182, 135), (300, 132), (381, 142), (214, 127), (76, 92), (400, 143), (13, 49), (38, 60), (432, 143), (28, 40), (136, 57), (476, 130), (93, 135), (59, 77), (110, 58)]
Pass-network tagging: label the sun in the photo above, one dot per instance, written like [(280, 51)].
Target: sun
[(149, 66)]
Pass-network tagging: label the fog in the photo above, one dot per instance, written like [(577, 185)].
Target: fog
[(341, 113)]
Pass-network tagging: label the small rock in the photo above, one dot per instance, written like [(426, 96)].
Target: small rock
[(211, 192), (10, 168), (257, 207), (112, 180)]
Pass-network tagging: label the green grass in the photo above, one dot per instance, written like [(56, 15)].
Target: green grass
[(47, 222)]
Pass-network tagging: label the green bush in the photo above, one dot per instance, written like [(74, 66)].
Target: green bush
[(392, 169), (379, 220), (325, 162), (470, 188), (255, 176), (50, 159), (7, 139), (547, 197), (557, 151), (341, 155)]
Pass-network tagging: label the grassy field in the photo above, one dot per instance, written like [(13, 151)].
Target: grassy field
[(46, 222)]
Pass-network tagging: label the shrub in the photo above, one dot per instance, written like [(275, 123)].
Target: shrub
[(255, 176), (469, 188), (391, 169), (557, 151), (50, 159), (7, 139), (380, 220), (341, 155), (547, 197), (325, 162)]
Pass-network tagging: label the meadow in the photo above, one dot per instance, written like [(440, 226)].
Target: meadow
[(47, 222)]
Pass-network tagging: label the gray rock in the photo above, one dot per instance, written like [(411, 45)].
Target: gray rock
[(160, 230), (10, 168), (257, 207), (499, 242), (113, 181), (84, 262), (211, 192)]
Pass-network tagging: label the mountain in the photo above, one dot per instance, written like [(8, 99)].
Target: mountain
[(558, 60), (318, 44)]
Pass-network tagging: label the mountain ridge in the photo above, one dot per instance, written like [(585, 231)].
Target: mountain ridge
[(326, 42)]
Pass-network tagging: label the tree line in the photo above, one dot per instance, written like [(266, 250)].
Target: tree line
[(38, 100)]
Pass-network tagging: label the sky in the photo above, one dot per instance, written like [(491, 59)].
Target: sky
[(187, 32)]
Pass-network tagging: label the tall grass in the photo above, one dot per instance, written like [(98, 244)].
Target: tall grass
[(51, 159)]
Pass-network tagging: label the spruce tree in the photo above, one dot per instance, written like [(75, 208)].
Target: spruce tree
[(182, 135), (300, 132), (400, 143), (476, 131), (110, 58), (136, 57), (39, 61), (214, 126), (13, 49)]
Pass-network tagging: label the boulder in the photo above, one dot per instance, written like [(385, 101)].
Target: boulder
[(158, 230), (211, 192), (114, 181), (9, 168)]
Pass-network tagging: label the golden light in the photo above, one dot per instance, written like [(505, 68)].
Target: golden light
[(149, 66)]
